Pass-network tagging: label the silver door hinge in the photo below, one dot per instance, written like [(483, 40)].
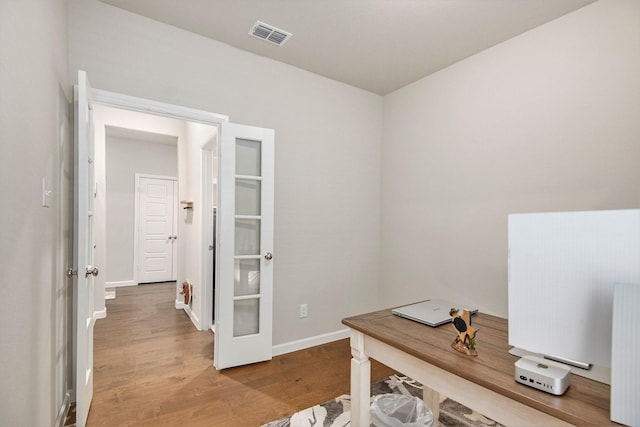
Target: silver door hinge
[(71, 272)]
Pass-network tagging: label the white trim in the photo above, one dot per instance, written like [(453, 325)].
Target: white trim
[(109, 293), (120, 284), (292, 346), (192, 316), (180, 305), (142, 105), (100, 314), (146, 175), (206, 232), (64, 410), (126, 102), (132, 103)]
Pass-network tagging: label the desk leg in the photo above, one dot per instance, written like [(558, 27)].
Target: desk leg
[(360, 382), (432, 399)]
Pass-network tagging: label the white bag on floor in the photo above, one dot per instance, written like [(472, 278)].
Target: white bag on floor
[(399, 410)]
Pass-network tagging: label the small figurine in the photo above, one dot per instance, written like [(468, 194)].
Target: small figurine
[(187, 291), (465, 342)]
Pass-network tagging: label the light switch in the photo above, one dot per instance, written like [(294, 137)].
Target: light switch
[(46, 194)]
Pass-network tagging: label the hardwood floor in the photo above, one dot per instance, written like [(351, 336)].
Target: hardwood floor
[(152, 367)]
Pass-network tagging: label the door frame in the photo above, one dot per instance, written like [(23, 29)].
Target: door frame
[(136, 228), (142, 105), (207, 230)]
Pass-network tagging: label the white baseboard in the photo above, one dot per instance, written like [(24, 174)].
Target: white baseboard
[(192, 316), (292, 346), (109, 293), (101, 314), (120, 284), (64, 410)]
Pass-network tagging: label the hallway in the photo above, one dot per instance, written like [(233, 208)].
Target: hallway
[(152, 367)]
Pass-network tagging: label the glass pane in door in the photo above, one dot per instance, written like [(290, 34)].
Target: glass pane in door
[(247, 197), (248, 157), (247, 277), (246, 311), (247, 237)]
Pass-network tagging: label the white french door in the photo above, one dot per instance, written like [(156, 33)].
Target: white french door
[(157, 229), (244, 282), (84, 196)]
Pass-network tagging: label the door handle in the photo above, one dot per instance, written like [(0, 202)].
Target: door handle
[(91, 271), (268, 256)]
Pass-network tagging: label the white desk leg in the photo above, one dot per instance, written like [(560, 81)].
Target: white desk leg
[(432, 399), (360, 382)]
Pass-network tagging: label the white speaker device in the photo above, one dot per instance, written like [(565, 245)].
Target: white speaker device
[(625, 348), (542, 374)]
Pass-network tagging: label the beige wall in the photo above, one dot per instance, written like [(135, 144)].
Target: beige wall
[(328, 141), (35, 143), (126, 157), (547, 121)]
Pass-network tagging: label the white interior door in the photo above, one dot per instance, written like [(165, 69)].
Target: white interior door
[(84, 195), (157, 229), (244, 282)]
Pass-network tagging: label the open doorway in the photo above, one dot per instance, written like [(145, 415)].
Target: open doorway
[(141, 201), (130, 146), (245, 219), (246, 200)]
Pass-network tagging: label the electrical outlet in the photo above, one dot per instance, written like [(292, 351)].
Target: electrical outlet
[(303, 310)]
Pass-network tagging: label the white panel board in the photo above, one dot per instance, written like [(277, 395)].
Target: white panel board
[(625, 347), (562, 268)]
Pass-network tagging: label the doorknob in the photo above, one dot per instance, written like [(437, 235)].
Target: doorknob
[(91, 271), (268, 256)]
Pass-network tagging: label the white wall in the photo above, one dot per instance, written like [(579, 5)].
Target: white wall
[(328, 142), (198, 137), (126, 157), (547, 121), (35, 143)]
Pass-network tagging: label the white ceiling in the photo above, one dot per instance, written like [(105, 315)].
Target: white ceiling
[(376, 45)]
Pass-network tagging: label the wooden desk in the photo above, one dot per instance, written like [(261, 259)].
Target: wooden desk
[(484, 383)]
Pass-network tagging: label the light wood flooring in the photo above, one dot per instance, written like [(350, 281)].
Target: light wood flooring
[(152, 367)]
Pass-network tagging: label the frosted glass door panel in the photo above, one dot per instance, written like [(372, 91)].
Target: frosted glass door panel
[(248, 157), (247, 197), (246, 316), (247, 237), (246, 312), (247, 277)]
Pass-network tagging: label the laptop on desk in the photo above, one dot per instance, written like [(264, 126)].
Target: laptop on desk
[(432, 312)]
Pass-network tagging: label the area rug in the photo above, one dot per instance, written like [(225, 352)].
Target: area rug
[(337, 412)]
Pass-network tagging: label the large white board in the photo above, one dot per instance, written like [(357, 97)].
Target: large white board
[(562, 269)]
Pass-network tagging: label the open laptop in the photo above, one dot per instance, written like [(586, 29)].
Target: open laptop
[(432, 312)]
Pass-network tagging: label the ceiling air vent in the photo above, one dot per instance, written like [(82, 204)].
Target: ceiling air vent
[(269, 33)]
